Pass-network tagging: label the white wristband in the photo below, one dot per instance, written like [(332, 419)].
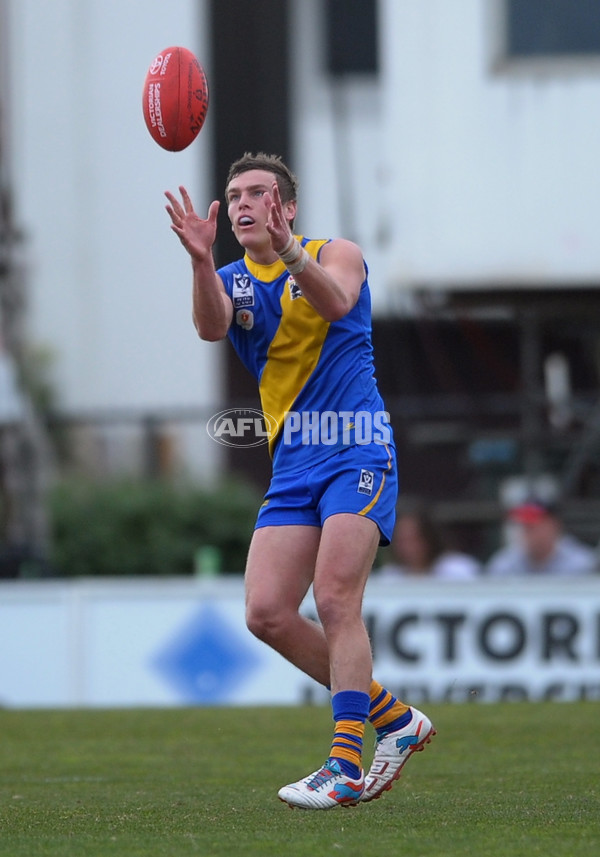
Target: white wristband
[(299, 265), (290, 252), (294, 256)]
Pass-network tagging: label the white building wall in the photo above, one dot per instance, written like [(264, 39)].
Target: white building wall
[(443, 169), (457, 173), (337, 129), (110, 286), (495, 174)]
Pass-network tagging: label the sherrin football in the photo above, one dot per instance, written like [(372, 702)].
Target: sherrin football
[(175, 99)]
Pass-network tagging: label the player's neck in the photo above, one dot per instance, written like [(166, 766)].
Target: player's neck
[(264, 255)]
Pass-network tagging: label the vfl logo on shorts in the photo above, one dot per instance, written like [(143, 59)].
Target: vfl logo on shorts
[(366, 482)]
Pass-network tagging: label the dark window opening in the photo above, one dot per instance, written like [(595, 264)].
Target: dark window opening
[(552, 28)]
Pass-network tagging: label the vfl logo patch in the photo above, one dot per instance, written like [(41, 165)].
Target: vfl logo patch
[(243, 291), (295, 290), (366, 482)]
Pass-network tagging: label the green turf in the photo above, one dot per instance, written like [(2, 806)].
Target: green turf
[(503, 781)]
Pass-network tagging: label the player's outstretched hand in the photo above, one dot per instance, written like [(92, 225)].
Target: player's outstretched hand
[(277, 225), (196, 235)]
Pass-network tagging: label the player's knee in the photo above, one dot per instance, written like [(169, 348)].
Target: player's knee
[(263, 621), (333, 610)]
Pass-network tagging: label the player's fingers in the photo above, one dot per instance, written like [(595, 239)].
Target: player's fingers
[(175, 204), (276, 204), (271, 202), (187, 202), (176, 219), (268, 203), (277, 221)]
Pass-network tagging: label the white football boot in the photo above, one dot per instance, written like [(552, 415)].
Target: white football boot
[(324, 789), (393, 751)]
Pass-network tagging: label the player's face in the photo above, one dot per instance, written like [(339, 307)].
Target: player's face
[(247, 207)]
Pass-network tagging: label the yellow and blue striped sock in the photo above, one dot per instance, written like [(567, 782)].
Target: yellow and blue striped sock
[(386, 713), (350, 710)]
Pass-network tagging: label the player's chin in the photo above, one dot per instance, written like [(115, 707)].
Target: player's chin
[(250, 238)]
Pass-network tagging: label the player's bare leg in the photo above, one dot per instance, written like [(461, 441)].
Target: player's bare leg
[(282, 562), (279, 572), (281, 565), (346, 551)]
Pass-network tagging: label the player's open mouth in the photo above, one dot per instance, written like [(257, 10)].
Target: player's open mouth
[(245, 221)]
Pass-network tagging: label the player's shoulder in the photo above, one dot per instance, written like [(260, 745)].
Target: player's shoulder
[(342, 246), (342, 254)]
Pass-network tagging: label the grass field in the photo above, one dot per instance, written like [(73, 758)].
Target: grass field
[(503, 781)]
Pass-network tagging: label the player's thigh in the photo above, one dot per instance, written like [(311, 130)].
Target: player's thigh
[(347, 550), (360, 480), (280, 567)]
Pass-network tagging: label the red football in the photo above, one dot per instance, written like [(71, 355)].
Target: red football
[(175, 98)]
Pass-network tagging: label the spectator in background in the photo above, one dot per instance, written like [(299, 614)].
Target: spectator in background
[(419, 550), (540, 546)]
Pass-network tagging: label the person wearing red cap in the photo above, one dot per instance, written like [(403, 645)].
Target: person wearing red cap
[(541, 547)]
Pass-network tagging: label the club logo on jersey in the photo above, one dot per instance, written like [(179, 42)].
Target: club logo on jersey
[(295, 290), (243, 291), (366, 482), (245, 318)]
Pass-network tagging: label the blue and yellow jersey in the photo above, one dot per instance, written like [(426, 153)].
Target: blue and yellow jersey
[(315, 378)]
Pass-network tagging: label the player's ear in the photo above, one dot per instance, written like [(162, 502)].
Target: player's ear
[(289, 210)]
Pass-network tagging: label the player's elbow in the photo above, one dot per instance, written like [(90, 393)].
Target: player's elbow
[(210, 332), (336, 316), (212, 337), (335, 310)]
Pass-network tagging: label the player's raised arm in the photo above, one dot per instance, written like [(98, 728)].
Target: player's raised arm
[(331, 285), (212, 310)]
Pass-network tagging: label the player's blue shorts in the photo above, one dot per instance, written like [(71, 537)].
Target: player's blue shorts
[(361, 480)]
